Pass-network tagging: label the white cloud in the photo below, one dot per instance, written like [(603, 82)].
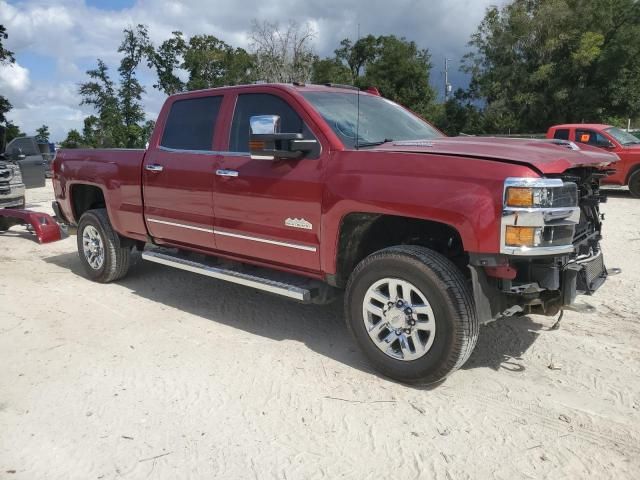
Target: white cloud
[(73, 35), (14, 79)]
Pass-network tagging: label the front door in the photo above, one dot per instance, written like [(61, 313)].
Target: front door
[(25, 152), (268, 210), (178, 174)]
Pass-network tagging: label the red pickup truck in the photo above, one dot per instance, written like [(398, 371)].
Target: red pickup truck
[(612, 139), (306, 190)]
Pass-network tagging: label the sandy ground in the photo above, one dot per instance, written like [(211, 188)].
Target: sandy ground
[(171, 375)]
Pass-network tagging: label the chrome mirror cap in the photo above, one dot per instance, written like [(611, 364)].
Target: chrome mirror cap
[(265, 124)]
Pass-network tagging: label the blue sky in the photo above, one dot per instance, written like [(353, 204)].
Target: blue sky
[(55, 42)]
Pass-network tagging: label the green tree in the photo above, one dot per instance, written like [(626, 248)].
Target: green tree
[(105, 129), (12, 131), (42, 134), (539, 62), (396, 66), (211, 62), (330, 70), (166, 59), (6, 57), (134, 46), (73, 140), (458, 115)]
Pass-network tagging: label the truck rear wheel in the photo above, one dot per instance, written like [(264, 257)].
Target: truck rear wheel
[(411, 311), (634, 184), (100, 248)]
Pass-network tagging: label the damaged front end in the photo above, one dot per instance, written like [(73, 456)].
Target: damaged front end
[(550, 246), (43, 225)]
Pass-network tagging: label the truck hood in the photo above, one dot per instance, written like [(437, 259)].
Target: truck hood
[(543, 155)]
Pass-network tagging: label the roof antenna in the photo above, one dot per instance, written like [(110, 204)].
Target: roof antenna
[(358, 101)]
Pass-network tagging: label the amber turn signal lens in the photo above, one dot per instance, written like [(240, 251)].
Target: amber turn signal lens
[(256, 145), (520, 236), (519, 197)]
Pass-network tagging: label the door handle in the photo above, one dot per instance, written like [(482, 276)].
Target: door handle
[(227, 173), (154, 167)]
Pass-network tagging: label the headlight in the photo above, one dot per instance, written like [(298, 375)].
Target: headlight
[(16, 178), (539, 216)]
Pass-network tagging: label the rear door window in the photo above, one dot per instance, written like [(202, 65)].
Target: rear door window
[(561, 134), (191, 123)]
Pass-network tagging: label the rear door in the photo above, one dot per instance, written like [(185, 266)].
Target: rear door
[(25, 152), (269, 210), (178, 174)]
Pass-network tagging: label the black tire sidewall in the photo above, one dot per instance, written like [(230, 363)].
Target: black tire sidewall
[(89, 218), (634, 184), (428, 283)]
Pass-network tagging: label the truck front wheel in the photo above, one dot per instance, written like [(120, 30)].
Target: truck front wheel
[(634, 184), (100, 248), (412, 313)]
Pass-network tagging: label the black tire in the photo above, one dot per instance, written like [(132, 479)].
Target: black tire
[(450, 297), (6, 223), (634, 184), (117, 256)]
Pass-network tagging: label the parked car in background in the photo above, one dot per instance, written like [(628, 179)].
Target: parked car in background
[(612, 139), (34, 159)]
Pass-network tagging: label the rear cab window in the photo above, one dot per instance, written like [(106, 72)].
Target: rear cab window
[(561, 134), (190, 124), (252, 104)]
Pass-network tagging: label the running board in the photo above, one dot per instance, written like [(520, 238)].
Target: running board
[(163, 257)]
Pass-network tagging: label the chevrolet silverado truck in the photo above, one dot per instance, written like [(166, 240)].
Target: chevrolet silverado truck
[(305, 191), (612, 139)]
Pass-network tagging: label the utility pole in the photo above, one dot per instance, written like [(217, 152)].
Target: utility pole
[(447, 85)]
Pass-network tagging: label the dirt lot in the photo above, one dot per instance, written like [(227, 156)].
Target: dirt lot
[(168, 374)]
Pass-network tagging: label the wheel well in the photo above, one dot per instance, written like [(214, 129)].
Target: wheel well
[(361, 234), (632, 171), (86, 197)]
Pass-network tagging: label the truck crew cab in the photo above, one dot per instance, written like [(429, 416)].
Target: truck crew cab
[(611, 139), (310, 190)]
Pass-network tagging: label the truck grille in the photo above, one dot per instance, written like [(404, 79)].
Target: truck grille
[(5, 177), (587, 233)]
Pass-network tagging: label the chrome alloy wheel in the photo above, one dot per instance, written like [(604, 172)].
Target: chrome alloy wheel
[(93, 247), (399, 319)]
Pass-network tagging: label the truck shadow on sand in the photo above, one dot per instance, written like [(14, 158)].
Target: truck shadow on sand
[(321, 328)]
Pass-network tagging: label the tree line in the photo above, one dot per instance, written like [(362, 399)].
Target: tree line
[(531, 63)]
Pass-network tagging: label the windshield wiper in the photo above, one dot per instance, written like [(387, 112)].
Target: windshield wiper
[(373, 144)]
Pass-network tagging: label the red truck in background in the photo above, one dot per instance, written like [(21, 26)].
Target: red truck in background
[(306, 191), (611, 139)]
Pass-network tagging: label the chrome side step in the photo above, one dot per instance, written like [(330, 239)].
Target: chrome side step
[(268, 285)]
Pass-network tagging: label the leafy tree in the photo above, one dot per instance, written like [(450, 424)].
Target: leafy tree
[(73, 140), (539, 62), (213, 63), (12, 131), (6, 57), (459, 115), (396, 66), (42, 134), (166, 59), (282, 54), (134, 45), (330, 70), (357, 55), (105, 129)]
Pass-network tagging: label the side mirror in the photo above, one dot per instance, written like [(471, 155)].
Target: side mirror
[(16, 154), (267, 143)]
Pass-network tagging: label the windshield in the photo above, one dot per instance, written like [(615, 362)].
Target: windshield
[(381, 120), (624, 138)]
